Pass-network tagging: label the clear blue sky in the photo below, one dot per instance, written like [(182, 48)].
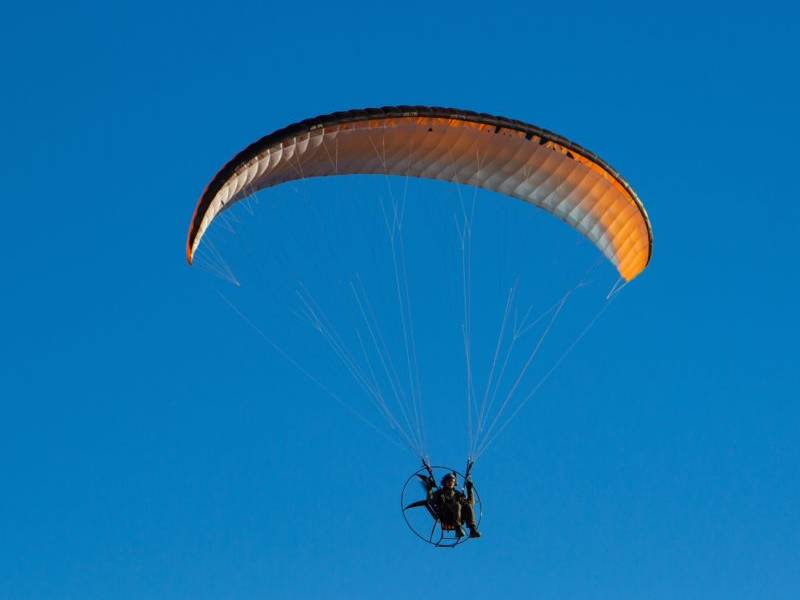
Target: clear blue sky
[(153, 446)]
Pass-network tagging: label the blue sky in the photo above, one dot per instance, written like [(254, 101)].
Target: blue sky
[(153, 445)]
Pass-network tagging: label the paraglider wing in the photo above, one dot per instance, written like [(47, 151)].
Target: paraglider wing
[(494, 153)]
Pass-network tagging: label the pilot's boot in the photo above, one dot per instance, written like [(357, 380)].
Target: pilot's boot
[(459, 531), (473, 531)]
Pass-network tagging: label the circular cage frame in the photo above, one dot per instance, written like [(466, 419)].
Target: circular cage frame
[(443, 540)]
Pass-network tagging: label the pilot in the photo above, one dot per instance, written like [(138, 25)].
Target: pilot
[(452, 507)]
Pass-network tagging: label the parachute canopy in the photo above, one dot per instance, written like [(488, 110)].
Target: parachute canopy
[(494, 153)]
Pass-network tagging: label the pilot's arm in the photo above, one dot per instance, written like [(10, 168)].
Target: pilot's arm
[(470, 494)]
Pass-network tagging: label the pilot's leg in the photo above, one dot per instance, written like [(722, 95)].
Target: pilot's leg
[(469, 519), (457, 520)]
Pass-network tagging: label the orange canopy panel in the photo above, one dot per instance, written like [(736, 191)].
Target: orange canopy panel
[(494, 153)]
